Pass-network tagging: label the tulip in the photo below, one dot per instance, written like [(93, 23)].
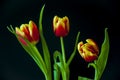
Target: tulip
[(61, 26), (88, 51), (29, 32)]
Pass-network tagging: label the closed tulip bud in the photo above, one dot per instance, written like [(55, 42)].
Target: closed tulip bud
[(61, 26), (88, 51), (29, 32)]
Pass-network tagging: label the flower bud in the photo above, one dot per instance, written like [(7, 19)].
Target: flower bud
[(88, 51), (61, 26), (29, 32)]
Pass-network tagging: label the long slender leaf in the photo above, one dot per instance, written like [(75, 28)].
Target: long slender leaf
[(46, 52), (100, 64), (40, 19), (74, 51), (103, 57)]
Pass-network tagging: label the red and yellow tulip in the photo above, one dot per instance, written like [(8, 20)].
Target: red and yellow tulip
[(29, 32), (61, 26), (89, 51)]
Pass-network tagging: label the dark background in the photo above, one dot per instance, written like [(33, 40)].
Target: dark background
[(90, 17)]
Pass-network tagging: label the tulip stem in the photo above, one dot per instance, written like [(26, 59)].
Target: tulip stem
[(62, 48)]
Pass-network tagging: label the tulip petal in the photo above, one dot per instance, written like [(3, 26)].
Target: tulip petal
[(88, 51), (29, 32), (61, 26), (34, 33)]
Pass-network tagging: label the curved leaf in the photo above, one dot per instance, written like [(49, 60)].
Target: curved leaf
[(74, 51), (58, 55), (83, 78), (103, 57)]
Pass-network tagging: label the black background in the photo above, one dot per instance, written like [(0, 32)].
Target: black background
[(90, 17)]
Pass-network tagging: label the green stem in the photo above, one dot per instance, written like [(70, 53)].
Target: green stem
[(97, 74), (46, 71), (40, 62), (65, 68), (56, 72), (95, 78), (48, 77), (65, 73), (63, 50)]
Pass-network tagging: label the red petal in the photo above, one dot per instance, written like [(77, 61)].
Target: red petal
[(60, 31)]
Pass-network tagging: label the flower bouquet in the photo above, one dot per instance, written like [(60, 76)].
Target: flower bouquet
[(30, 34)]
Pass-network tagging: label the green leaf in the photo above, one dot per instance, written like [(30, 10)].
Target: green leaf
[(40, 19), (46, 52), (100, 64), (83, 78), (57, 55), (74, 51), (59, 66), (34, 53), (11, 29), (56, 72), (103, 57)]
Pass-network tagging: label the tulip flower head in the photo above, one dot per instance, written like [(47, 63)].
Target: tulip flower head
[(89, 51), (29, 32), (61, 26)]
